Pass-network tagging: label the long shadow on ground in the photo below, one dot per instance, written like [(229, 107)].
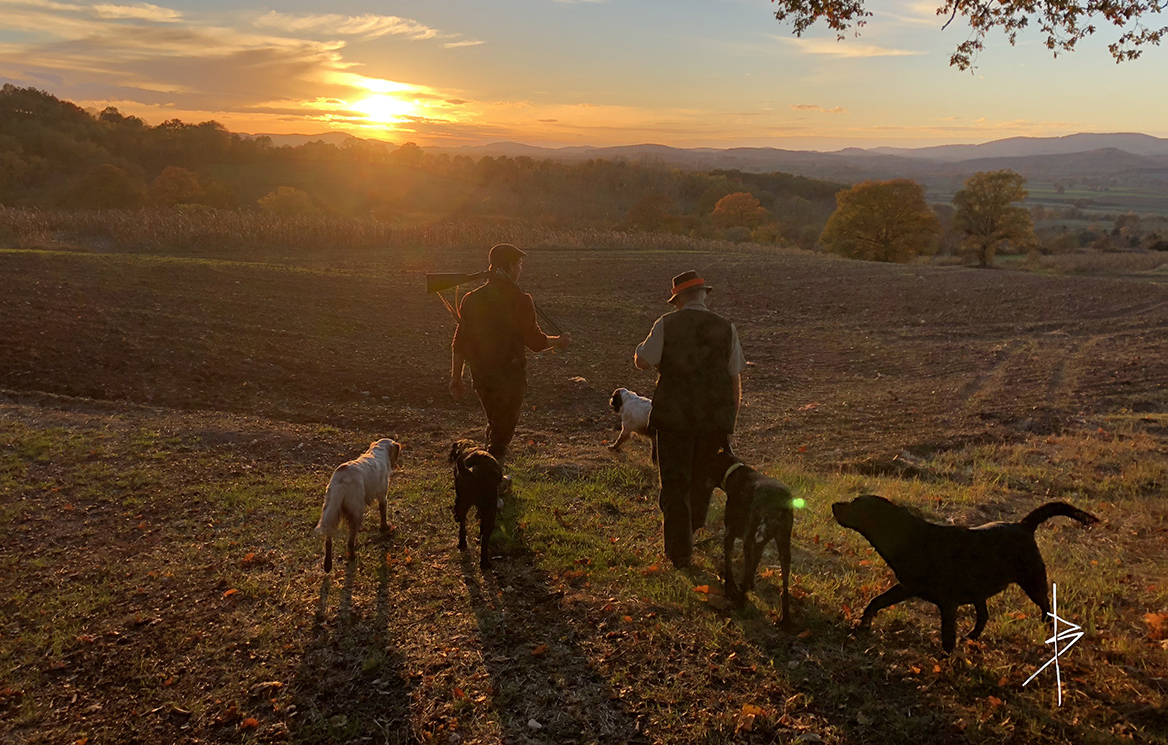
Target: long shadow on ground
[(350, 685), (545, 686)]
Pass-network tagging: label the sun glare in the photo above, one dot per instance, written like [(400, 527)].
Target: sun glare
[(384, 109)]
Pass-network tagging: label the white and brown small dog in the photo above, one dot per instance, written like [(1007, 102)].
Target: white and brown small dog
[(634, 411), (353, 487)]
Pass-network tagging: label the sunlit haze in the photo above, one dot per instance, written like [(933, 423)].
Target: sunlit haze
[(700, 73)]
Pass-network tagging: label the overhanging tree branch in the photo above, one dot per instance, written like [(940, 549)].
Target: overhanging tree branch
[(1063, 22)]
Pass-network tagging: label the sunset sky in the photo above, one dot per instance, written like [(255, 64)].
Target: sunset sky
[(687, 73)]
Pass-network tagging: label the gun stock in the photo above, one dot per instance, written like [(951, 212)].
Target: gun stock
[(436, 283)]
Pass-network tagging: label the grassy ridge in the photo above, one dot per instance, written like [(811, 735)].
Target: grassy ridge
[(163, 584)]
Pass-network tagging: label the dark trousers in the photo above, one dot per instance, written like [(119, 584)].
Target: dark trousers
[(683, 462), (502, 400)]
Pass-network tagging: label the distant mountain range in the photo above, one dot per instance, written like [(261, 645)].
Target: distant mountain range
[(1129, 157)]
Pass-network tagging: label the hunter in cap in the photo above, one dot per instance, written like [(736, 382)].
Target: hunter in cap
[(699, 363), (497, 324)]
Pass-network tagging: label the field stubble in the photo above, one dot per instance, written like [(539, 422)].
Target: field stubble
[(169, 424)]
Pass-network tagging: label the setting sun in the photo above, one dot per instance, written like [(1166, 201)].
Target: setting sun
[(385, 109)]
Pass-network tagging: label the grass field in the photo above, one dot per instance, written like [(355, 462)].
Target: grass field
[(168, 424)]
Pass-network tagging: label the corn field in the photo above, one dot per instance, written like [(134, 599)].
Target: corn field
[(161, 229)]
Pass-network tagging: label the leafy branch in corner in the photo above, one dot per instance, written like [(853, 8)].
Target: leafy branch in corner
[(1063, 22)]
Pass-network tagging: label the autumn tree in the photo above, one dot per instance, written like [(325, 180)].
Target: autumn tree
[(176, 185), (104, 186), (739, 208), (1064, 23), (882, 221), (985, 213), (651, 212), (288, 201)]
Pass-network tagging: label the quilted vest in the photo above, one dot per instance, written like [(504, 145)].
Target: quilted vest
[(694, 391)]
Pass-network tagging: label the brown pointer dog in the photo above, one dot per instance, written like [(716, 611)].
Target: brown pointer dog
[(758, 510), (477, 476), (949, 565)]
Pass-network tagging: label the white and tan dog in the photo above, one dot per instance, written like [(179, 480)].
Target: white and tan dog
[(354, 486), (634, 411)]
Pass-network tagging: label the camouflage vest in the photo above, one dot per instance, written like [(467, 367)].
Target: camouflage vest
[(694, 392)]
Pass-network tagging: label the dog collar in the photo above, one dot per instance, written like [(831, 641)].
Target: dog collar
[(729, 471)]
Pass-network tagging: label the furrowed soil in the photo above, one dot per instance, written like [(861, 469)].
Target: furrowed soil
[(168, 424)]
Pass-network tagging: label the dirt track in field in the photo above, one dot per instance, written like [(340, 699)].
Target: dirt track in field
[(851, 362)]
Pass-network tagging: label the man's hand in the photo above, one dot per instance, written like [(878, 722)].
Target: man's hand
[(561, 342), (457, 388)]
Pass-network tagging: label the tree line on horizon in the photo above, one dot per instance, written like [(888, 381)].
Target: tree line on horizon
[(56, 155)]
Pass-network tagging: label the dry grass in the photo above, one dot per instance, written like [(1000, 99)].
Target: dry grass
[(203, 228), (163, 585), (159, 580), (1099, 263)]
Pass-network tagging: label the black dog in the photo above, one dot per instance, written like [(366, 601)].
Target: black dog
[(759, 509), (949, 565), (477, 476)]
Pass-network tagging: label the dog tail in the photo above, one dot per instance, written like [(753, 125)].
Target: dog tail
[(330, 516), (1056, 509)]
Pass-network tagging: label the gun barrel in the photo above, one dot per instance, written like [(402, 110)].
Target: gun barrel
[(440, 282)]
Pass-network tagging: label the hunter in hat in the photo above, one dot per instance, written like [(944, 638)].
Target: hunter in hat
[(699, 389), (496, 325)]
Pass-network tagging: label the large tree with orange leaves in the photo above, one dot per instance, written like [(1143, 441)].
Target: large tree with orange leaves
[(882, 221)]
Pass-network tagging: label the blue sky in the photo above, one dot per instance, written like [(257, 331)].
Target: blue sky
[(688, 73)]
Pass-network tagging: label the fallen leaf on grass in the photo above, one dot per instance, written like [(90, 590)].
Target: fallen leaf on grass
[(767, 573), (1157, 625), (87, 638), (936, 668), (746, 717), (541, 649), (804, 634), (249, 723), (229, 593), (651, 569), (994, 700), (458, 692)]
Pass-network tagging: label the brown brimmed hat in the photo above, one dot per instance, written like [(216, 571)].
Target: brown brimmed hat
[(504, 254), (687, 281)]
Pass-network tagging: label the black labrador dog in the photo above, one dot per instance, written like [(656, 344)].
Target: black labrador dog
[(759, 509), (477, 476), (949, 565)]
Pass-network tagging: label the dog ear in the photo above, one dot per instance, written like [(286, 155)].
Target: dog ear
[(616, 401)]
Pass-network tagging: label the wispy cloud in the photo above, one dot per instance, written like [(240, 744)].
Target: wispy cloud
[(137, 12), (820, 109), (459, 44), (365, 26), (846, 48)]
